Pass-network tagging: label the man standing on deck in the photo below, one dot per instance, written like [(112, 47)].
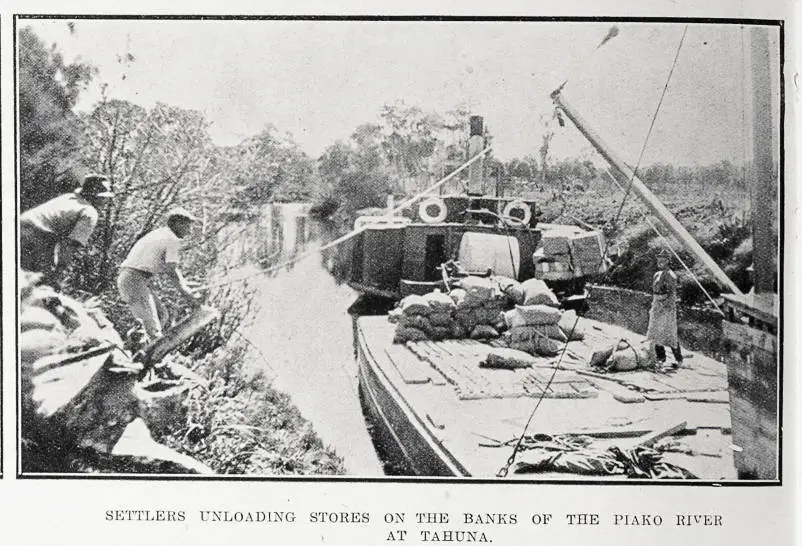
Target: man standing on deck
[(662, 329), (155, 253), (50, 233)]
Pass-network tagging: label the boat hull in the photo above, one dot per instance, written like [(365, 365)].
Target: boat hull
[(398, 433)]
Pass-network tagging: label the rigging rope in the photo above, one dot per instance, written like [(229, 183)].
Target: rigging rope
[(354, 232), (505, 469)]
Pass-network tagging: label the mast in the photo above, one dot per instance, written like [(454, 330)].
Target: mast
[(645, 194), (762, 210)]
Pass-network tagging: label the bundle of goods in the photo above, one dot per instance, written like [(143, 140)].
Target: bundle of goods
[(587, 251), (572, 326), (425, 317), (624, 357), (507, 359), (566, 253)]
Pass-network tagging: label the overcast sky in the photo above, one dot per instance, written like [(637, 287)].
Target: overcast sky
[(319, 80)]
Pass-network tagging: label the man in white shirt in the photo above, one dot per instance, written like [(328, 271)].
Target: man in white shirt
[(65, 223), (155, 253)]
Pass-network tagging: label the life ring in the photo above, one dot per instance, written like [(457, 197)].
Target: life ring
[(521, 206), (429, 218)]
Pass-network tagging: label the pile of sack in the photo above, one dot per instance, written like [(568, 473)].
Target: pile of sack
[(482, 308), (419, 318)]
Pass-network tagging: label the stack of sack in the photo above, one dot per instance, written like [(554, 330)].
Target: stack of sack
[(536, 325), (479, 305), (476, 310), (425, 317)]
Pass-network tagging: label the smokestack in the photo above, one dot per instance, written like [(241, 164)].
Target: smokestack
[(476, 144)]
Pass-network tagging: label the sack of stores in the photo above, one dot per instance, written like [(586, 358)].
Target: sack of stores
[(479, 252)]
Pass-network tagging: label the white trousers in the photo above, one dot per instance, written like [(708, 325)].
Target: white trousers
[(135, 290)]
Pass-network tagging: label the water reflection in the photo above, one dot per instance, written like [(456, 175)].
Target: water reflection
[(303, 328)]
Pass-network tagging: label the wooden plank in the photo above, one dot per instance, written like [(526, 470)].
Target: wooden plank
[(662, 433), (717, 397), (410, 368)]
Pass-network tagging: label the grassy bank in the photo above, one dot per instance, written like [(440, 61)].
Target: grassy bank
[(239, 424)]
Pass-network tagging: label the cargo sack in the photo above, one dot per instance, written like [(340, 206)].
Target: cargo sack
[(409, 333), (466, 318), (484, 331), (600, 356), (477, 287), (507, 359), (458, 296), (458, 331), (534, 343), (416, 321), (545, 346), (414, 305), (487, 315), (526, 333), (626, 357), (536, 292), (538, 314), (439, 302), (511, 289), (573, 328), (439, 332), (441, 318)]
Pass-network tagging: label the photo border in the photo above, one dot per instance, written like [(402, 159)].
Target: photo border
[(777, 23)]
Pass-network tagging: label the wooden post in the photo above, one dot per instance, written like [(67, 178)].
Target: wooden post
[(647, 197), (764, 247)]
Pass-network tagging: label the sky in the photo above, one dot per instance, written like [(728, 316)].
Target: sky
[(319, 80)]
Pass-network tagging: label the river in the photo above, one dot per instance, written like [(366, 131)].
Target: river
[(303, 329)]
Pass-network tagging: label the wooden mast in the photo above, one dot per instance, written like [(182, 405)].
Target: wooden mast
[(764, 248), (641, 190)]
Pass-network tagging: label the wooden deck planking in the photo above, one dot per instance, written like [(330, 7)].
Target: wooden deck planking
[(465, 421)]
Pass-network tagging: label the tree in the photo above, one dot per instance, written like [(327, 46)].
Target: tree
[(155, 160), (358, 171), (48, 130)]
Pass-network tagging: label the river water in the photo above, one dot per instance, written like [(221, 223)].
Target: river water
[(304, 332)]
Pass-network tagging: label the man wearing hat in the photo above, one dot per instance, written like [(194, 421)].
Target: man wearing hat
[(662, 331), (50, 233), (155, 253)]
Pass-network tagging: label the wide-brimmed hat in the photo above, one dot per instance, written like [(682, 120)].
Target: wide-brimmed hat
[(180, 212), (96, 185)]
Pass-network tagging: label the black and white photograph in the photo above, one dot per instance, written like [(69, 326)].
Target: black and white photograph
[(399, 249)]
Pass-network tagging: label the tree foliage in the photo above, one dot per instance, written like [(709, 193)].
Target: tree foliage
[(49, 132)]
